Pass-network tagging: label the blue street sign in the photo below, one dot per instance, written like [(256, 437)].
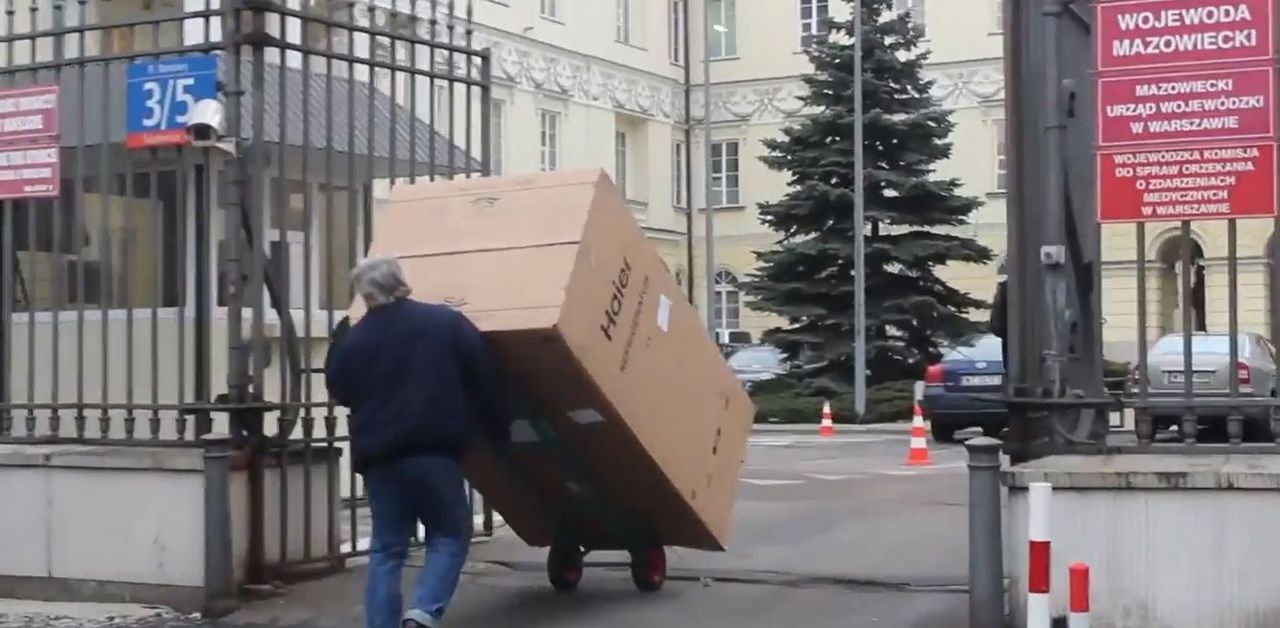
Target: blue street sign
[(160, 96)]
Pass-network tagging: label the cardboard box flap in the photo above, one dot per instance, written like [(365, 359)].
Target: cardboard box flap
[(530, 295), (486, 214)]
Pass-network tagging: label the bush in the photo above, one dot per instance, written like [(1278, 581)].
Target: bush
[(785, 401)]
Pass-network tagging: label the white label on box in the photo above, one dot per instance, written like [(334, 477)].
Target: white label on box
[(586, 416), (522, 432), (664, 312)]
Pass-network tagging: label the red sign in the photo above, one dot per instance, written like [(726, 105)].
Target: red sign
[(1218, 105), (29, 171), (28, 113), (1162, 33), (1187, 183)]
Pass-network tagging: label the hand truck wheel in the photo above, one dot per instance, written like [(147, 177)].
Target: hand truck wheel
[(564, 567), (649, 568)]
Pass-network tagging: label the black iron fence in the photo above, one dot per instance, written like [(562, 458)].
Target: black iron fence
[(183, 190)]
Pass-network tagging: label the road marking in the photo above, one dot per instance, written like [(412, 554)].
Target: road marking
[(772, 482), (833, 478)]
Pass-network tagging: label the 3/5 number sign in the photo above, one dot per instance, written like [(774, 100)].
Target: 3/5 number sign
[(161, 95)]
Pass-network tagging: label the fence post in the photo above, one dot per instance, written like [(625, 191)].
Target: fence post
[(986, 549), (219, 570)]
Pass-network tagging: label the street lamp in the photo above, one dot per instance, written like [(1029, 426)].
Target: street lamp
[(709, 222), (860, 237)]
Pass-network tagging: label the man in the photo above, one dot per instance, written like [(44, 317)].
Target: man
[(1000, 311), (422, 386)]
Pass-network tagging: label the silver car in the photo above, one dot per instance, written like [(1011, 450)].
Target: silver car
[(1211, 369)]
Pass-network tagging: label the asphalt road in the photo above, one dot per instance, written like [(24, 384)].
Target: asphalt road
[(829, 533)]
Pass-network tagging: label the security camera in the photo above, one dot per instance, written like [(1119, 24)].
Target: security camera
[(204, 126)]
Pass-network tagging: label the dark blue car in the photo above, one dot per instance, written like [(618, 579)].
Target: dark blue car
[(958, 389)]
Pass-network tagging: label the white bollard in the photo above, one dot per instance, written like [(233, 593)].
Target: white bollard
[(1038, 556)]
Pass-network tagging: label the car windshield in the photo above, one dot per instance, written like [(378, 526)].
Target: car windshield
[(984, 347), (756, 358), (1202, 344)]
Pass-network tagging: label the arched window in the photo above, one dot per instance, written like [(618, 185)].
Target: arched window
[(727, 309)]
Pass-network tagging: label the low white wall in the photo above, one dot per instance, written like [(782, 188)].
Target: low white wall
[(1171, 541), (136, 516)]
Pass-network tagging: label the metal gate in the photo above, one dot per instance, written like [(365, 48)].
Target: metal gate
[(185, 185), (1185, 305)]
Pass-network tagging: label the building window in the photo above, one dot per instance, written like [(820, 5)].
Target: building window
[(916, 9), (550, 8), (1001, 153), (117, 247), (727, 309), (620, 161), (813, 21), (725, 190), (679, 157), (723, 30), (997, 16), (623, 34), (549, 140), (497, 136), (675, 29)]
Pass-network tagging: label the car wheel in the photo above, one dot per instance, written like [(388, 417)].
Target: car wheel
[(992, 431), (943, 434)]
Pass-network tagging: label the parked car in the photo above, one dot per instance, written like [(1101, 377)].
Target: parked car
[(1211, 367), (760, 363), (757, 363), (960, 390)]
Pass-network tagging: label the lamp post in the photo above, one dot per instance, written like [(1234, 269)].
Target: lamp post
[(860, 239), (709, 228)]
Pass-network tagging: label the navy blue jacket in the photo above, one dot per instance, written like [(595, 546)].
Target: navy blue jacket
[(419, 379)]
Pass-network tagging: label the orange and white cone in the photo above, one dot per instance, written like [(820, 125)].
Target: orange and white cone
[(827, 427), (918, 450)]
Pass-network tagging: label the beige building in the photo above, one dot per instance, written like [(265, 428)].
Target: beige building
[(566, 86)]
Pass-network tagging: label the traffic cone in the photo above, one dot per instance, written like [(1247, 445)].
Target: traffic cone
[(827, 427), (918, 450)]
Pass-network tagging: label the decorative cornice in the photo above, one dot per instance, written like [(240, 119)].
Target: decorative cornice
[(624, 89), (525, 64)]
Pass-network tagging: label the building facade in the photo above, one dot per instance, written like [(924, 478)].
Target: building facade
[(565, 85)]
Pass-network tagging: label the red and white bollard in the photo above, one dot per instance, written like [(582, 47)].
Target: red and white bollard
[(1078, 611), (1038, 557)]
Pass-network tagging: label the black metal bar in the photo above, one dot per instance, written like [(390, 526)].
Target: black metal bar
[(1143, 425), (202, 341), (1189, 421)]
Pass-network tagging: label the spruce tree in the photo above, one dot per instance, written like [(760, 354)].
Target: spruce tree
[(807, 278)]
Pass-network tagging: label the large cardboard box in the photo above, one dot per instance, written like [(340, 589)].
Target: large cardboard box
[(596, 333)]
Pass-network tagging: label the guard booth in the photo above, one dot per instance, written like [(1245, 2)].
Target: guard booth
[(184, 187)]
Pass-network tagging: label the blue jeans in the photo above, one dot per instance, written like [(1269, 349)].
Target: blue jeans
[(429, 489)]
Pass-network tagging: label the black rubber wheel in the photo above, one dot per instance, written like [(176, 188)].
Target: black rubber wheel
[(649, 568), (564, 567), (992, 431), (943, 434)]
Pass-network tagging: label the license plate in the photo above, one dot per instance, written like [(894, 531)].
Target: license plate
[(1177, 377), (980, 380)]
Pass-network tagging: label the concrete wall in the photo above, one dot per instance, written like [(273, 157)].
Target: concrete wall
[(1172, 541), (128, 523)]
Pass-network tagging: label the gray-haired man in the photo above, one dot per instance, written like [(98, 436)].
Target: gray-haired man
[(422, 386)]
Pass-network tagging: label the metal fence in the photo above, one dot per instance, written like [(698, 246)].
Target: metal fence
[(157, 289)]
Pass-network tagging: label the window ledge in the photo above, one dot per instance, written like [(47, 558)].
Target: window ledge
[(718, 208), (631, 45), (998, 194), (729, 58), (553, 20)]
